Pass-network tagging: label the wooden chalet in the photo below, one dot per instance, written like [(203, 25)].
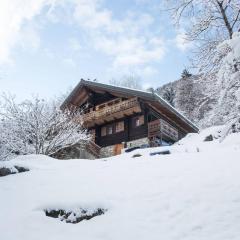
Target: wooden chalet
[(120, 117)]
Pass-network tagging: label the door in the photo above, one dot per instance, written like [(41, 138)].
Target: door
[(117, 149)]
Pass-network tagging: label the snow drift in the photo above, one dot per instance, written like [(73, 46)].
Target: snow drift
[(191, 193)]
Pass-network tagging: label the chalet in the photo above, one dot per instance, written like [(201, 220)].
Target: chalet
[(120, 118)]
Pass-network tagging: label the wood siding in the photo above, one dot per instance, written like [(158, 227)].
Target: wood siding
[(130, 132)]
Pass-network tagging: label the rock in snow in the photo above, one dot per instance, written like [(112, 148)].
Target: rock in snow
[(192, 193)]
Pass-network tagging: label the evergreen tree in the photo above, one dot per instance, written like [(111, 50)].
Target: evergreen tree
[(186, 74)]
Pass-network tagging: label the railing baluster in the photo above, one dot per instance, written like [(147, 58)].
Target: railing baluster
[(110, 109)]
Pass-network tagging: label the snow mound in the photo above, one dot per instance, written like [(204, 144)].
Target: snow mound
[(188, 194)]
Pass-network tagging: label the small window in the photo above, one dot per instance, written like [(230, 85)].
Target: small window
[(103, 131), (109, 130), (119, 126), (138, 121)]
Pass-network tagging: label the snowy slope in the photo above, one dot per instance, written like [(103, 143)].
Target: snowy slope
[(192, 193), (196, 98), (213, 99)]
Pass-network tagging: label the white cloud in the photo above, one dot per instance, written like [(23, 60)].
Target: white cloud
[(13, 14), (181, 41), (29, 38), (74, 44), (133, 54), (88, 14), (148, 71), (69, 62), (128, 41), (49, 53)]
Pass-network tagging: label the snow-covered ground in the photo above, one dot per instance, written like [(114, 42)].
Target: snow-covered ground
[(192, 193)]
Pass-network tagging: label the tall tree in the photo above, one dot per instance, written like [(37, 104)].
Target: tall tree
[(129, 81), (207, 23)]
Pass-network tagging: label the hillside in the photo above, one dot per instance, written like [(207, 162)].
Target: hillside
[(205, 101), (191, 193), (214, 99), (193, 97)]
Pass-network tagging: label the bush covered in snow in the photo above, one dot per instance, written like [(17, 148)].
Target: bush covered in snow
[(37, 127)]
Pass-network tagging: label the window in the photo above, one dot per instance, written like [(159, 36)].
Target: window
[(109, 130), (103, 131), (113, 128), (119, 126), (138, 121)]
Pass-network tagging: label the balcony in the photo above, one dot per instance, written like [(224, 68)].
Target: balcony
[(110, 111), (159, 128)]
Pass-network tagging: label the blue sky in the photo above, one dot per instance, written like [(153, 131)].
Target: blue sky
[(47, 46)]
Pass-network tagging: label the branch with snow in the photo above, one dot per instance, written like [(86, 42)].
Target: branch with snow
[(38, 127)]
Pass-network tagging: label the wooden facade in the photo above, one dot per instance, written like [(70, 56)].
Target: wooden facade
[(116, 116)]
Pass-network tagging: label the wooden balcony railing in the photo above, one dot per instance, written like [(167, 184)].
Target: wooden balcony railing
[(110, 112), (159, 126)]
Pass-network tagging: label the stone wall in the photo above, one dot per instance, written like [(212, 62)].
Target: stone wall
[(138, 142), (109, 150), (80, 152), (77, 151)]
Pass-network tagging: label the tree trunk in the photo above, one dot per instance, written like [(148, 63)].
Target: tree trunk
[(225, 19)]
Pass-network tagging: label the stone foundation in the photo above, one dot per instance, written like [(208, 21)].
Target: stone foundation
[(80, 152), (109, 150), (138, 142), (77, 151)]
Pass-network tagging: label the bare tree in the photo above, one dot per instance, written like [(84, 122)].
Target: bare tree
[(37, 127), (169, 95), (207, 23), (129, 81)]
